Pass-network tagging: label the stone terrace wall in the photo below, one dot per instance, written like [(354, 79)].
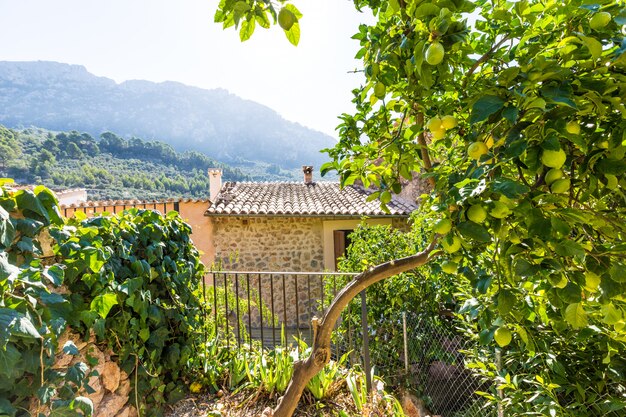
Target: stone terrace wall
[(111, 385), (273, 244)]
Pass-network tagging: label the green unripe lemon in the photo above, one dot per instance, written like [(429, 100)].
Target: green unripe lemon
[(286, 18), (443, 226), (452, 244), (573, 128), (434, 53), (503, 336), (553, 175), (449, 267), (553, 159), (476, 150), (599, 20), (499, 210), (448, 122), (477, 213), (434, 124), (380, 90), (560, 186)]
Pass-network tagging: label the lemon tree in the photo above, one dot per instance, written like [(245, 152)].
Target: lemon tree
[(537, 90)]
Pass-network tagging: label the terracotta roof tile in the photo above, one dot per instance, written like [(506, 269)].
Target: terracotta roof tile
[(128, 203), (300, 199)]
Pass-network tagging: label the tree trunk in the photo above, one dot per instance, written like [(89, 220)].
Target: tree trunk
[(306, 369)]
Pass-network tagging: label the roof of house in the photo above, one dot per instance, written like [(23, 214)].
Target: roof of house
[(132, 203), (317, 199)]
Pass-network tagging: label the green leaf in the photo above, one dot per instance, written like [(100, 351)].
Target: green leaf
[(17, 324), (247, 29), (54, 274), (576, 316), (523, 268), (509, 188), (293, 34), (474, 231), (9, 357), (26, 200), (84, 404), (571, 249), (103, 303), (485, 107), (77, 373), (6, 408), (510, 114), (618, 272), (7, 231), (46, 393), (611, 314), (70, 348), (594, 46), (144, 334), (241, 7), (293, 9)]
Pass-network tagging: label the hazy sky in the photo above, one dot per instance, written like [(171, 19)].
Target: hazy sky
[(176, 40)]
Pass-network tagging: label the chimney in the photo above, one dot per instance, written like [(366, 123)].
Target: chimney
[(215, 183), (308, 173)]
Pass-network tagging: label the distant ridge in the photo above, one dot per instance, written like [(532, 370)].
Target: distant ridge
[(67, 97)]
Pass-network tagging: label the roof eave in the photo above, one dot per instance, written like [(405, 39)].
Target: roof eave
[(319, 216)]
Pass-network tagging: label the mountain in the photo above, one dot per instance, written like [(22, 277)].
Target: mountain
[(63, 97), (110, 167)]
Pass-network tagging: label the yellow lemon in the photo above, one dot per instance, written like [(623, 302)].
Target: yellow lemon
[(448, 122), (573, 128), (434, 123), (449, 267), (476, 150)]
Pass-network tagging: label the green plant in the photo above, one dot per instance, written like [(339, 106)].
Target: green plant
[(134, 281), (271, 371), (33, 314), (321, 385)]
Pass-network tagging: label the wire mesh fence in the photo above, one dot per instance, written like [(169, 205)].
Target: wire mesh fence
[(423, 353)]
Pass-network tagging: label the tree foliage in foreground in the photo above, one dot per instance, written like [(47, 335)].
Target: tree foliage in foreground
[(515, 113)]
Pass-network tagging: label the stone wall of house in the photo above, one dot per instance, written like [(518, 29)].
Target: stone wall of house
[(272, 244)]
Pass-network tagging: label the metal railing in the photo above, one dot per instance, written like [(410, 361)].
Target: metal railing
[(259, 305)]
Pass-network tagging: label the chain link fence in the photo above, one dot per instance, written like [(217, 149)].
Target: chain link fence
[(423, 353)]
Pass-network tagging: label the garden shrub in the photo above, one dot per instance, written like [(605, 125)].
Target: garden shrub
[(131, 280)]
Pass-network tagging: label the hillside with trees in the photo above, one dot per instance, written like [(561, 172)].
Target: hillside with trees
[(66, 97), (110, 167)]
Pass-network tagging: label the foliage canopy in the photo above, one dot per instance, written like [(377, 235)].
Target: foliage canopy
[(514, 111)]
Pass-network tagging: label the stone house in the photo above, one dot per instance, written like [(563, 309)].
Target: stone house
[(290, 226)]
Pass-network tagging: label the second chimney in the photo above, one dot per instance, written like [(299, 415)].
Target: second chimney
[(308, 173), (215, 183)]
